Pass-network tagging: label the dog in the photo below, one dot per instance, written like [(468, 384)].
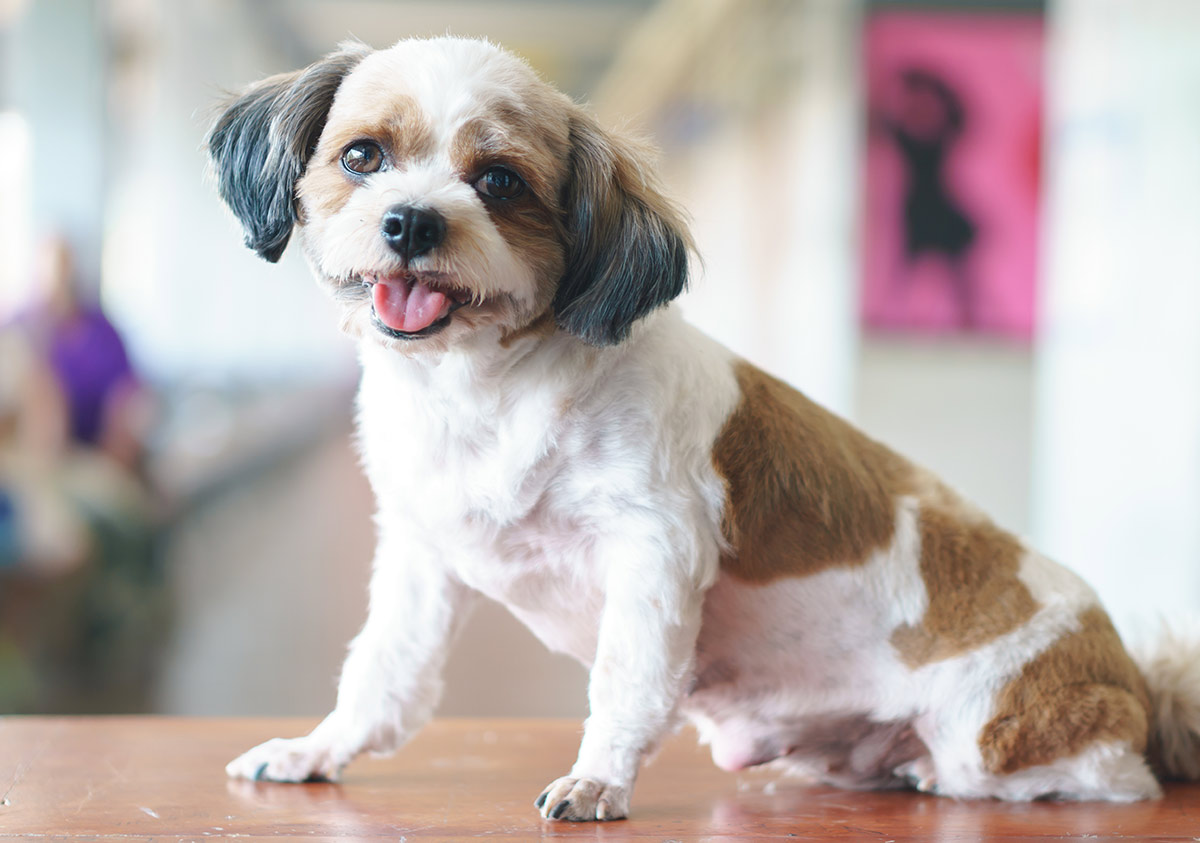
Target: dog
[(540, 426)]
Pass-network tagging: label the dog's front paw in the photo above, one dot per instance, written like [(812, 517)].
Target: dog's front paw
[(289, 760), (582, 800)]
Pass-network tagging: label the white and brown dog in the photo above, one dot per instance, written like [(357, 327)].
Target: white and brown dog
[(540, 428)]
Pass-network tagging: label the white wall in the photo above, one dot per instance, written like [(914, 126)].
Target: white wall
[(773, 200), (1117, 470), (962, 408), (62, 106)]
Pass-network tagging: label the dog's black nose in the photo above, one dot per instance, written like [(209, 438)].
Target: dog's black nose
[(412, 231)]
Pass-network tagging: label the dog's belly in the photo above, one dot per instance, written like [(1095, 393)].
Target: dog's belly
[(804, 668), (850, 750)]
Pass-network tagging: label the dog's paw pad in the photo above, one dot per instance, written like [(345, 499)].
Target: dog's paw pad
[(582, 800)]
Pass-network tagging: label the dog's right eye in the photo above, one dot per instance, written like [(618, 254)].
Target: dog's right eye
[(362, 157)]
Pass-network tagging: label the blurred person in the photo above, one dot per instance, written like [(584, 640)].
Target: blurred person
[(44, 540), (104, 399), (38, 527), (82, 602)]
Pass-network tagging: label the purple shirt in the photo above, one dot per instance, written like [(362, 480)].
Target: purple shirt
[(90, 360)]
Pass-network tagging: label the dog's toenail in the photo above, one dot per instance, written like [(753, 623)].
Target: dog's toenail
[(260, 772), (541, 800), (560, 809)]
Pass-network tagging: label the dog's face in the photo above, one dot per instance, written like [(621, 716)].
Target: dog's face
[(444, 192)]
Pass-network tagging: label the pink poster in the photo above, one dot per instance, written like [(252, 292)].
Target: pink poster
[(950, 239)]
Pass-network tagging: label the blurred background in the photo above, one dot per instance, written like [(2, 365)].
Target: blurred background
[(969, 227)]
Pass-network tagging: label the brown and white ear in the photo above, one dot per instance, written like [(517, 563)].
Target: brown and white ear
[(628, 247), (260, 145)]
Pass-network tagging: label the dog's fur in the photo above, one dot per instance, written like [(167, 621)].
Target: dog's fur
[(710, 543)]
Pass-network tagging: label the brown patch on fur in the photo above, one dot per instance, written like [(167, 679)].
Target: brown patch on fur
[(806, 491), (534, 233), (542, 326), (615, 172), (323, 190), (969, 567), (935, 494), (401, 128), (402, 131), (1084, 688), (530, 138), (510, 140)]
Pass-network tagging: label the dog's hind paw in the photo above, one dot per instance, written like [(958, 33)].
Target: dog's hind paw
[(582, 800), (920, 773)]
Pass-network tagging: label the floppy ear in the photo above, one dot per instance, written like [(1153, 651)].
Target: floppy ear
[(262, 141), (628, 247)]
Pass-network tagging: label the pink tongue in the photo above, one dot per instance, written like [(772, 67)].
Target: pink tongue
[(405, 308)]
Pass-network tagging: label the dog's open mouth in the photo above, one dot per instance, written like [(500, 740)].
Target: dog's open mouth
[(412, 305)]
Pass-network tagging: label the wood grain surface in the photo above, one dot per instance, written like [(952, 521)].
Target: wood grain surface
[(144, 778)]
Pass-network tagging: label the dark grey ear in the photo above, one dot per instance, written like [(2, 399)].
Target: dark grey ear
[(628, 248), (262, 141)]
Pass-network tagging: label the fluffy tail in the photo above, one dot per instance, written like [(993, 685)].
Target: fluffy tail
[(1171, 666)]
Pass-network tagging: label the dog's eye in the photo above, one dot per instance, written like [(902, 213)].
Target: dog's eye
[(362, 157), (500, 183)]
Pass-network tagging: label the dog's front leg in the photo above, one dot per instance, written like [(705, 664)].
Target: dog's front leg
[(643, 659), (391, 679)]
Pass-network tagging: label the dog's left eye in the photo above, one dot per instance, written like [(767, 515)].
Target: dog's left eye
[(363, 157), (500, 183)]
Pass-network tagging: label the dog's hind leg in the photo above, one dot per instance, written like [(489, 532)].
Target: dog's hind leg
[(1086, 742)]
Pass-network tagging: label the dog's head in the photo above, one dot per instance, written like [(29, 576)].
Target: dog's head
[(439, 187)]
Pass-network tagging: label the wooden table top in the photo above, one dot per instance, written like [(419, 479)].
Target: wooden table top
[(151, 778)]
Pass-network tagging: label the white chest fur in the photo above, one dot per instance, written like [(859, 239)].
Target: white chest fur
[(511, 467)]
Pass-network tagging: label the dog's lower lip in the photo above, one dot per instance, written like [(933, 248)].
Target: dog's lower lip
[(429, 331)]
